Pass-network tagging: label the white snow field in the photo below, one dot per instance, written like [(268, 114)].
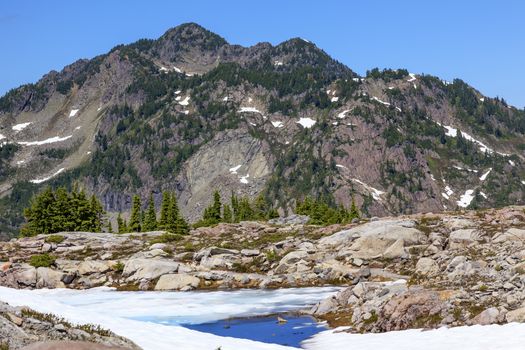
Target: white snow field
[(494, 337), (150, 318)]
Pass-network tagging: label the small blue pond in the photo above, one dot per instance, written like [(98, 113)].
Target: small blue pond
[(265, 329)]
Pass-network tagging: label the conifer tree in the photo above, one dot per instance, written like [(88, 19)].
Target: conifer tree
[(164, 210), (121, 224), (150, 218), (235, 207), (261, 209), (227, 215), (181, 226), (134, 220), (216, 208), (354, 212), (54, 211), (96, 214), (173, 214)]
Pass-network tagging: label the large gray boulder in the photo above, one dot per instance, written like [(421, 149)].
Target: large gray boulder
[(177, 282), (511, 235), (138, 269), (517, 315), (427, 266), (220, 261), (94, 266), (374, 232), (463, 238), (49, 278)]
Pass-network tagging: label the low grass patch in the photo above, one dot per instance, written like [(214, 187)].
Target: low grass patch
[(55, 239), (42, 260), (167, 238)]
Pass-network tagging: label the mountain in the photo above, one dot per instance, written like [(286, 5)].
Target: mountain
[(190, 112)]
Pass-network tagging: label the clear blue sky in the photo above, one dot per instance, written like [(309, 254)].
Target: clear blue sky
[(479, 41)]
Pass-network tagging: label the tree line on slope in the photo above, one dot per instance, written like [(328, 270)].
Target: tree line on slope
[(170, 219), (53, 211)]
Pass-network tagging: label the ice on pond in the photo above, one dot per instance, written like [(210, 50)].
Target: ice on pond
[(143, 317)]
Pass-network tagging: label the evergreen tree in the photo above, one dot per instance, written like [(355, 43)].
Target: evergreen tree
[(134, 220), (164, 210), (216, 208), (54, 211), (354, 212), (150, 218), (227, 215), (173, 213), (181, 226), (121, 224), (235, 207), (261, 208), (96, 214)]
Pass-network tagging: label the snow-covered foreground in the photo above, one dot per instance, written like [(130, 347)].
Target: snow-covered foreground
[(143, 316), (495, 337)]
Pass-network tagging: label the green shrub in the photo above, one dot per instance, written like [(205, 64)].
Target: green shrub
[(118, 267), (55, 239), (42, 260)]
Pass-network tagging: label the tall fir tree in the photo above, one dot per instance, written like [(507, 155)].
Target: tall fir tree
[(134, 220), (121, 224), (217, 205), (235, 207), (173, 213), (227, 215), (354, 212), (150, 218), (165, 210)]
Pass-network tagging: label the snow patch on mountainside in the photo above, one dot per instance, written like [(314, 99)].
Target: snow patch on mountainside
[(73, 113), (185, 101), (466, 198), (38, 181), (376, 194), (484, 176), (249, 110), (306, 122), (277, 124), (46, 141), (244, 179), (235, 168), (343, 114), (20, 127), (380, 101)]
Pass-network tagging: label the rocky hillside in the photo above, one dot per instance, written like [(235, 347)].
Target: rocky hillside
[(421, 270), (189, 112), (20, 327)]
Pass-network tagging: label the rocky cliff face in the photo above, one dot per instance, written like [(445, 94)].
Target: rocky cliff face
[(182, 111)]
